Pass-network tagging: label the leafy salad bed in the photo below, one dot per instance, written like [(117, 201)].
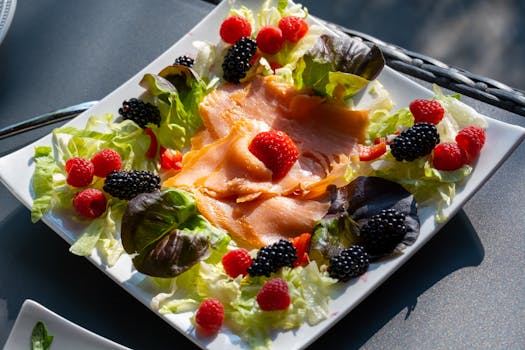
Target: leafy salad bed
[(179, 249)]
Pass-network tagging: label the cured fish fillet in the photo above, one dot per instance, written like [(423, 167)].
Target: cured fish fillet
[(234, 189)]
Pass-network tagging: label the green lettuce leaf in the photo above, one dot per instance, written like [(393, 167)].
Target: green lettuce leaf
[(52, 191), (179, 107), (310, 291), (384, 123), (338, 66), (102, 233), (429, 185), (166, 235), (331, 235), (42, 181)]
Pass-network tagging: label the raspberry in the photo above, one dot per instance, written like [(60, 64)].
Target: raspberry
[(274, 295), (471, 139), (106, 161), (429, 111), (233, 28), (80, 172), (293, 28), (236, 262), (209, 316), (270, 39), (90, 203), (351, 262), (448, 156), (276, 150)]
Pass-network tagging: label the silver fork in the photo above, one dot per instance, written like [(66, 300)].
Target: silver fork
[(46, 119)]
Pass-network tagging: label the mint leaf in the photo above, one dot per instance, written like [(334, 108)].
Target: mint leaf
[(40, 339)]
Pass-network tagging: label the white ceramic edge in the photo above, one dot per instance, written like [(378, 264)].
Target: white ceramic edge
[(13, 174), (67, 335), (8, 18)]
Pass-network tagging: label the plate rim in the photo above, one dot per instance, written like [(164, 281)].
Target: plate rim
[(128, 284), (33, 311)]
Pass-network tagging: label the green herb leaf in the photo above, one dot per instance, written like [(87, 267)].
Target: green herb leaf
[(40, 339)]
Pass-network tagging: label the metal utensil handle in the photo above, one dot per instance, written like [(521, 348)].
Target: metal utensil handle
[(46, 119)]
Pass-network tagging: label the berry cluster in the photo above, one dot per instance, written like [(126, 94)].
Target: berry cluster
[(270, 39), (127, 184), (122, 184), (142, 113), (423, 139), (452, 156), (184, 61), (91, 203), (272, 257), (383, 232), (351, 262), (237, 60), (417, 141)]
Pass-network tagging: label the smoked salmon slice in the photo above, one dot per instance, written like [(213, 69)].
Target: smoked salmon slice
[(234, 190)]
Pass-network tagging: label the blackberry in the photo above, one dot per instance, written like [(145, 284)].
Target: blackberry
[(351, 262), (272, 257), (185, 61), (140, 112), (237, 60), (126, 184), (383, 232), (415, 142)]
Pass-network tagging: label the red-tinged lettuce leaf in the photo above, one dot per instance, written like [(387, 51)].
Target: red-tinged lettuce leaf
[(351, 208), (173, 254), (151, 216), (338, 66), (348, 55), (165, 234)]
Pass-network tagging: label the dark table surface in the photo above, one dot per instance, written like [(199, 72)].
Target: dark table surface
[(465, 289)]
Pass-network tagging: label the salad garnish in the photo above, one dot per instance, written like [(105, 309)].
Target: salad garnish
[(40, 338)]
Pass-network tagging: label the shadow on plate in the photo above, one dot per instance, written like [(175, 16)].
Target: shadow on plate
[(456, 246)]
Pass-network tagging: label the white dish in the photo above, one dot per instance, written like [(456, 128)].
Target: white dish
[(16, 170), (66, 334), (7, 11)]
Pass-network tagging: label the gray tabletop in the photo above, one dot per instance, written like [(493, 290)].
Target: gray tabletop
[(463, 290)]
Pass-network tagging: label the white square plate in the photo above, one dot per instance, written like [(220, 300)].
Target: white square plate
[(16, 170), (66, 334)]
